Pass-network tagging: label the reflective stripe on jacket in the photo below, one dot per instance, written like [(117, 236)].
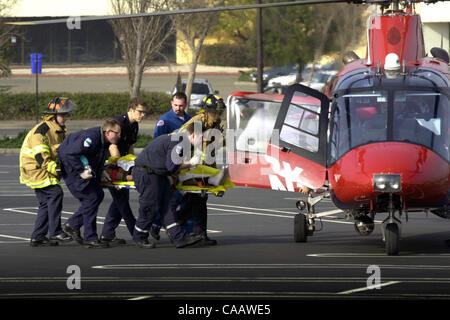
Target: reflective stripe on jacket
[(38, 155)]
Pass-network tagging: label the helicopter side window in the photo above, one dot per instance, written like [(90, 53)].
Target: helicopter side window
[(301, 125), (253, 122)]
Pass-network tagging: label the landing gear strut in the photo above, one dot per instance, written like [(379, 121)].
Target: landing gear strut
[(304, 223), (391, 229)]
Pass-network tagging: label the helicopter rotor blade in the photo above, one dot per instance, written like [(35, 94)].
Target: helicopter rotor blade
[(188, 11)]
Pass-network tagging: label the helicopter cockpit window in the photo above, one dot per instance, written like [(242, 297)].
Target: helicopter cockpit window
[(422, 118), (358, 119), (253, 122), (301, 125), (419, 117)]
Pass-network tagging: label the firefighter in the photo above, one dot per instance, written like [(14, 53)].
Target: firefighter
[(194, 205), (83, 156), (40, 170), (160, 159)]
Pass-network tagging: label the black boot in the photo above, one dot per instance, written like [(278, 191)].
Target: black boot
[(62, 237), (45, 242), (113, 241), (75, 233), (145, 244), (189, 241), (95, 244)]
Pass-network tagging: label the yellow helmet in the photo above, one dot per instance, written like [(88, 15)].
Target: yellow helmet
[(213, 103)]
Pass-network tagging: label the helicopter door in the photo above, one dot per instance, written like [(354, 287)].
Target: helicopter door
[(297, 150)]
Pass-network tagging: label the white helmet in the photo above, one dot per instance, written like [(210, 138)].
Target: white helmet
[(392, 62)]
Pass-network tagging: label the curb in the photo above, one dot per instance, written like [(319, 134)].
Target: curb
[(147, 74), (9, 151), (17, 150)]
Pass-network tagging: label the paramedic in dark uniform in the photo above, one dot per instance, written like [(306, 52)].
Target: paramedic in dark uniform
[(120, 205), (160, 159), (175, 118), (83, 156), (170, 122)]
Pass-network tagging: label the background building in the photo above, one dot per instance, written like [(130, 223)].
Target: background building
[(93, 43), (436, 25)]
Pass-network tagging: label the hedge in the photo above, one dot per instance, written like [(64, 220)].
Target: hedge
[(16, 142), (235, 55), (21, 106)]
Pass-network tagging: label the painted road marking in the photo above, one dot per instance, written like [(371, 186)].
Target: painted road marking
[(18, 210), (273, 215), (374, 287), (262, 266), (13, 237), (376, 255)]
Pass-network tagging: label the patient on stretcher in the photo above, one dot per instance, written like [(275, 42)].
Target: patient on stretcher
[(199, 178)]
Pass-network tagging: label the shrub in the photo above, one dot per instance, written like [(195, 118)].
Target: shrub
[(16, 142), (21, 106)]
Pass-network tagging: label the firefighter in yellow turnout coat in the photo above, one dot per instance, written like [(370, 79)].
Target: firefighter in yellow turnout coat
[(193, 204), (40, 171)]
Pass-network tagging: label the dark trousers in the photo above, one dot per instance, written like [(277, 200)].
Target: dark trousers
[(90, 197), (155, 196), (49, 214), (195, 208), (119, 208)]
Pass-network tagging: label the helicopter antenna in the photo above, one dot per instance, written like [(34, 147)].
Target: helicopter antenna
[(404, 68), (378, 69)]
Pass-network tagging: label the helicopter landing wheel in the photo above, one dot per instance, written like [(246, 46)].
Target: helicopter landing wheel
[(392, 237), (300, 228)]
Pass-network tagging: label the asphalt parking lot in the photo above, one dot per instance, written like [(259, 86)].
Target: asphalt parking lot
[(256, 257)]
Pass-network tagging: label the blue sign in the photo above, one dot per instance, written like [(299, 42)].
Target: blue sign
[(36, 63)]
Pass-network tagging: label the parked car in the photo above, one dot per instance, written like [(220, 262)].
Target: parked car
[(200, 89), (318, 81), (275, 72), (276, 89)]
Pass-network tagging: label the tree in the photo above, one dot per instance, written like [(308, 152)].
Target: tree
[(194, 28), (142, 39), (6, 32)]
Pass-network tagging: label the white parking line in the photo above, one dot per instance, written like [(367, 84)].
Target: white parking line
[(273, 215), (239, 207), (71, 213), (374, 287), (13, 237)]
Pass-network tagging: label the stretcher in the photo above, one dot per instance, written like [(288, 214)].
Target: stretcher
[(199, 179)]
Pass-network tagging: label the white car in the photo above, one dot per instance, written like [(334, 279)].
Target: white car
[(200, 89), (282, 80), (318, 81)]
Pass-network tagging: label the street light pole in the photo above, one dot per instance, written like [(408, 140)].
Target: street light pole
[(259, 45)]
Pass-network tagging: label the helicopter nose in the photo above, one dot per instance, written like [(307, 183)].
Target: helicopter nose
[(414, 172)]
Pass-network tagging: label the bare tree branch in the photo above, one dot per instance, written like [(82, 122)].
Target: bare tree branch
[(194, 28), (142, 39)]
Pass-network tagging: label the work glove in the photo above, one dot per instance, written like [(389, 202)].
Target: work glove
[(87, 173), (196, 159)]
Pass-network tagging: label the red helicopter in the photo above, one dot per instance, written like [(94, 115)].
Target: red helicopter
[(378, 143)]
